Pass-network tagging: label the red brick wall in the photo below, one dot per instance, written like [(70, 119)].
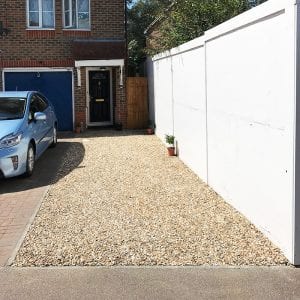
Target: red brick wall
[(52, 48), (80, 96), (119, 100), (121, 104), (107, 21)]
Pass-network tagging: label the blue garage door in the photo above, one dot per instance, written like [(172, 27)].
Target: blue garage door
[(56, 86)]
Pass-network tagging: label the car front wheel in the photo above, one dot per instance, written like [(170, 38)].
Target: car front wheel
[(30, 161)]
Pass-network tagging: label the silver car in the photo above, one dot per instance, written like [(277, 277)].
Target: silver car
[(28, 126)]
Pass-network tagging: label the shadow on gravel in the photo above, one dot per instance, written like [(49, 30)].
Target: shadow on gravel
[(53, 165), (58, 162)]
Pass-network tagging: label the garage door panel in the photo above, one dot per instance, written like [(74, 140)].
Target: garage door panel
[(56, 86)]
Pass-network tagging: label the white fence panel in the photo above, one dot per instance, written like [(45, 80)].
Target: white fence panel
[(229, 98), (163, 108), (250, 88), (190, 109)]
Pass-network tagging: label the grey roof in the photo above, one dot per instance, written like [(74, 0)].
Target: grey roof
[(160, 17)]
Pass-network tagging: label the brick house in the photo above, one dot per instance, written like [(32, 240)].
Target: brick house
[(152, 32), (73, 51)]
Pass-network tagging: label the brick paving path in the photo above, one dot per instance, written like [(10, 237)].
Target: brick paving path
[(20, 199), (16, 212)]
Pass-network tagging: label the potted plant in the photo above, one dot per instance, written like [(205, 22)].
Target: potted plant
[(151, 127), (78, 128), (170, 140), (118, 126)]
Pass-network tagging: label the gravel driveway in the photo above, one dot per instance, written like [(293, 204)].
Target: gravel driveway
[(128, 203)]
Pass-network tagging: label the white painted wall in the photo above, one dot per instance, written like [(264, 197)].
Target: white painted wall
[(149, 66), (190, 109), (229, 98)]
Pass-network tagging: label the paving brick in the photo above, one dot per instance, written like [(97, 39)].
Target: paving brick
[(53, 48), (20, 198), (16, 210)]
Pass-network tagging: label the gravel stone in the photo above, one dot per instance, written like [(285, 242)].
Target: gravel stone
[(120, 200)]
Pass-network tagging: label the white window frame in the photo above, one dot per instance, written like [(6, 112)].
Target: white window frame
[(76, 15), (40, 11), (70, 13)]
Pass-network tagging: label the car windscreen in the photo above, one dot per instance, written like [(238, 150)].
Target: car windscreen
[(12, 108)]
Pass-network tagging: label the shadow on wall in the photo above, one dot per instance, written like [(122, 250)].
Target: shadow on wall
[(151, 89), (51, 167)]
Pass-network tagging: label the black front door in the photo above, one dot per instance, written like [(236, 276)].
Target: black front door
[(100, 106)]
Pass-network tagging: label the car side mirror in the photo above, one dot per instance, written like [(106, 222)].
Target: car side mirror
[(39, 116)]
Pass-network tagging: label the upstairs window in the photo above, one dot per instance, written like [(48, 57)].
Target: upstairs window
[(40, 13), (76, 14)]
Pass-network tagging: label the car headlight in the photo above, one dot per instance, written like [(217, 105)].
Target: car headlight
[(10, 140)]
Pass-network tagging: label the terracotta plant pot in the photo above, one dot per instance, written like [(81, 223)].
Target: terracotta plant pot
[(119, 126), (171, 151), (150, 131), (78, 129)]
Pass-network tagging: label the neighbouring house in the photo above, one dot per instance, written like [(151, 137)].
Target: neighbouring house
[(153, 33), (73, 51)]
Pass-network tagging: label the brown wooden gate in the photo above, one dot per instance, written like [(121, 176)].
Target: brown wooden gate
[(137, 102)]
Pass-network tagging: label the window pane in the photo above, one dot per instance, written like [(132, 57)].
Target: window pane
[(67, 19), (48, 20), (34, 19), (83, 6), (84, 20), (67, 5), (47, 5), (73, 3), (74, 13), (33, 5)]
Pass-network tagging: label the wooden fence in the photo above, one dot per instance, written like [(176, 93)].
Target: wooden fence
[(137, 102)]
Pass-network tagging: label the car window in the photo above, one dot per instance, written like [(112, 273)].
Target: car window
[(12, 108), (42, 103), (38, 103), (34, 107)]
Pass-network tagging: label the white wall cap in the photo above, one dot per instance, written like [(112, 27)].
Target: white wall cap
[(260, 12), (191, 45)]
